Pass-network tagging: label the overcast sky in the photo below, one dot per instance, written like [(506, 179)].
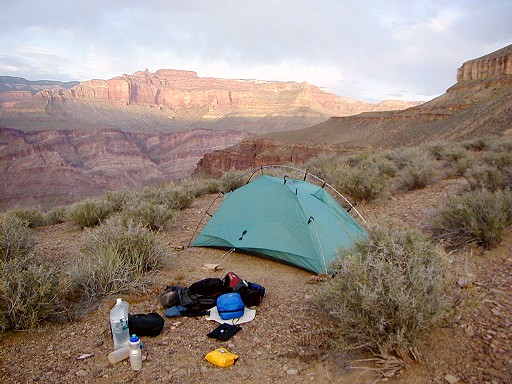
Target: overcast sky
[(365, 49)]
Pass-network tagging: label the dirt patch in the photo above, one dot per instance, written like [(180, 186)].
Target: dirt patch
[(282, 344)]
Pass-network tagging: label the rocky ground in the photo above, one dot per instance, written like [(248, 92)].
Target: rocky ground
[(282, 344)]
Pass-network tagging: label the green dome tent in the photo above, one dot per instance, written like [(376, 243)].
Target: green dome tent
[(293, 221)]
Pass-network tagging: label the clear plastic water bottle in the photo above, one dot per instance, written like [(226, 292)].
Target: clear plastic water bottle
[(119, 354), (135, 353), (119, 323)]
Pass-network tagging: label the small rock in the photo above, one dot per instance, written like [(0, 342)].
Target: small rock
[(451, 379), (81, 373), (292, 371)]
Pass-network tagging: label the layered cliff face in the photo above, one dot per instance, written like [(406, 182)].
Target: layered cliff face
[(171, 100), (479, 104), (48, 168)]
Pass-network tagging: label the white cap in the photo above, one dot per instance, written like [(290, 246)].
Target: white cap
[(119, 300)]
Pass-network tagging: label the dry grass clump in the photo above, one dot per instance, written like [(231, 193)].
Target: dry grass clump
[(387, 292), (89, 212), (147, 215), (116, 259), (32, 290), (16, 239), (478, 217), (231, 180), (32, 217)]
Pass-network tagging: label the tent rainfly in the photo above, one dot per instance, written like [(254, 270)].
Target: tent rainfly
[(289, 220)]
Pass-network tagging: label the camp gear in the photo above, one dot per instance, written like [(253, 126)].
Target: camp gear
[(177, 310), (150, 324), (224, 331), (231, 280), (208, 287), (252, 294), (230, 306), (119, 323), (249, 315), (289, 220), (221, 357)]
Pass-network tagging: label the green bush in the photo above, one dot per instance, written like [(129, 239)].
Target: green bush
[(116, 259), (231, 180), (171, 196), (56, 215), (147, 215), (419, 171), (89, 212), (323, 166), (16, 239), (32, 217), (387, 292), (489, 177), (455, 158), (32, 291), (477, 217), (362, 183)]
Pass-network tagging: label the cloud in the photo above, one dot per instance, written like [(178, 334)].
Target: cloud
[(357, 48)]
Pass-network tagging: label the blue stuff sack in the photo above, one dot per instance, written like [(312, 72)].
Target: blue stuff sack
[(230, 306)]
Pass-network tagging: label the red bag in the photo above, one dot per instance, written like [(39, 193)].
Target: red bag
[(231, 280)]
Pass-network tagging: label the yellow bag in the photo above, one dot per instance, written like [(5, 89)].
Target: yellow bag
[(221, 357)]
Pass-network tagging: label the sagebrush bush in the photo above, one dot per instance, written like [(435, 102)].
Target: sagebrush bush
[(454, 157), (147, 215), (386, 292), (32, 217), (362, 183), (116, 259), (478, 217), (89, 212), (170, 196), (56, 215), (16, 238), (203, 186), (323, 166), (418, 172), (488, 177), (32, 291), (231, 180)]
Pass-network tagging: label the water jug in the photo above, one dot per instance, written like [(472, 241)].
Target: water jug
[(119, 323)]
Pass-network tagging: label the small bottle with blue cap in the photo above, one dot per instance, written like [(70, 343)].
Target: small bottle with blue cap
[(135, 352)]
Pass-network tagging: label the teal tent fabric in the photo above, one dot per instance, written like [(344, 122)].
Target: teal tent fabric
[(293, 221)]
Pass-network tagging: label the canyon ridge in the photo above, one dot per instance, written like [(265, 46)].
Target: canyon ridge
[(62, 142)]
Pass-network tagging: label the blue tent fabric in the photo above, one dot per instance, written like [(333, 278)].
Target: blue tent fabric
[(293, 221)]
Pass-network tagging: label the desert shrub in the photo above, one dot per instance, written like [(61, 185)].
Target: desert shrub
[(455, 158), (56, 215), (499, 159), (232, 179), (203, 186), (89, 212), (171, 196), (32, 217), (362, 183), (323, 166), (477, 217), (482, 144), (147, 215), (419, 171), (489, 177), (32, 291), (119, 199), (387, 292), (116, 259), (16, 239)]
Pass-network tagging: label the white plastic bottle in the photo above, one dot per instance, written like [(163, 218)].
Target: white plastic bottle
[(135, 353), (119, 354), (119, 324)]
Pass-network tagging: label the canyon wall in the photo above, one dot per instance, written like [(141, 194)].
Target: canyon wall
[(48, 168), (479, 104)]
